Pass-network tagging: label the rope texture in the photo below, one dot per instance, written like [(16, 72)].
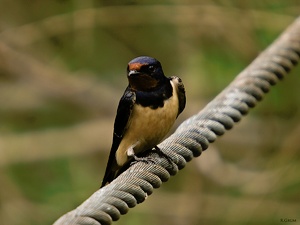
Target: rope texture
[(192, 136)]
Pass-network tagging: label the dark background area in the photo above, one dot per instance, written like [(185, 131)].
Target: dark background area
[(62, 72)]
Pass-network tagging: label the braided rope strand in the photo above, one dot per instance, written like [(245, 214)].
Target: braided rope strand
[(193, 135)]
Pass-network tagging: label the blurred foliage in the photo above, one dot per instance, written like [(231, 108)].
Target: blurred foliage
[(62, 72)]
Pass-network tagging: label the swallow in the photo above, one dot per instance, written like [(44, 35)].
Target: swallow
[(146, 112)]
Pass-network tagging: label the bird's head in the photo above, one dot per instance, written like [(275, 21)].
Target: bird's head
[(144, 73)]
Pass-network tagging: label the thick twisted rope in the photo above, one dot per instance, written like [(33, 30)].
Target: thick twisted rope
[(193, 136)]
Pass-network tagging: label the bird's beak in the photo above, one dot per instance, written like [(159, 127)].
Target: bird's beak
[(133, 73)]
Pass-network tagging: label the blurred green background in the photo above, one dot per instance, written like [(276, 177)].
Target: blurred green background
[(63, 70)]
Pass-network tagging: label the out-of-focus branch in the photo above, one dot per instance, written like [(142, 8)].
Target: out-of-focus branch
[(50, 143), (43, 81), (139, 15)]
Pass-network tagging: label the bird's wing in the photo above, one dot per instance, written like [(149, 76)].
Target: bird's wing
[(121, 124), (180, 93), (123, 114), (181, 96)]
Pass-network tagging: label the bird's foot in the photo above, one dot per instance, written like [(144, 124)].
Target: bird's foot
[(162, 154), (142, 159), (149, 159)]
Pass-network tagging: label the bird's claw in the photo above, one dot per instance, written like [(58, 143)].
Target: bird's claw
[(162, 154), (142, 159)]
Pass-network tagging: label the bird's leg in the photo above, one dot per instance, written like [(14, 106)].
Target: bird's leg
[(131, 153)]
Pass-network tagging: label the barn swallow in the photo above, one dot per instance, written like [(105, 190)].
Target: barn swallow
[(146, 112)]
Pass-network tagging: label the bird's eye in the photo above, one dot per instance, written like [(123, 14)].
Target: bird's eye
[(151, 68)]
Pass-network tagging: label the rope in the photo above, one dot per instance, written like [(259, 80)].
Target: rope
[(193, 135)]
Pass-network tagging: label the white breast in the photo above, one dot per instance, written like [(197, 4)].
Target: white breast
[(148, 127)]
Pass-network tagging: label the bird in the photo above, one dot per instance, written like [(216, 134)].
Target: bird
[(146, 112)]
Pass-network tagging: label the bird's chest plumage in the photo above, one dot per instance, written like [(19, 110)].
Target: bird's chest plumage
[(151, 125), (147, 126)]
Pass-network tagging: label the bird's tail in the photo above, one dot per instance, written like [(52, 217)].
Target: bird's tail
[(113, 172), (109, 176)]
